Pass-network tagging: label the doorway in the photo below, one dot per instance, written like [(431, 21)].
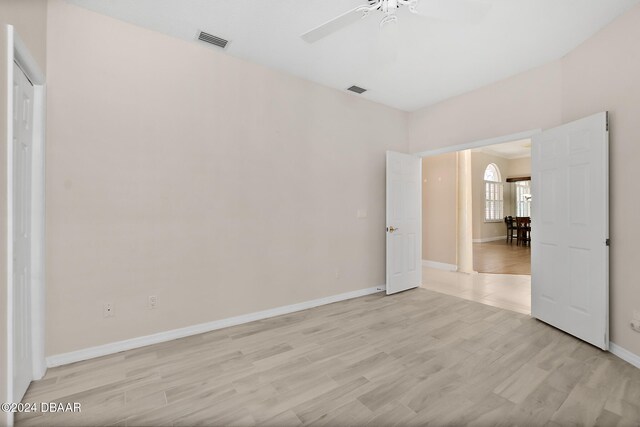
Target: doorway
[(569, 220), (499, 179)]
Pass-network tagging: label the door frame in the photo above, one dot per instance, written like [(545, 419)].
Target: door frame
[(527, 134), (17, 52), (479, 143)]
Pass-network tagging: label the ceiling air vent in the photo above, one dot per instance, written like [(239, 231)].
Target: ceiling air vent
[(357, 89), (211, 39)]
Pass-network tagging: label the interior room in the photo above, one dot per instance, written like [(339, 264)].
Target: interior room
[(501, 180), (500, 201), (288, 213)]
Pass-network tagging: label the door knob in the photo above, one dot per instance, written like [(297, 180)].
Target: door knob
[(392, 229)]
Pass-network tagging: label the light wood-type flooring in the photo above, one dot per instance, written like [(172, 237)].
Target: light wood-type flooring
[(416, 358), (501, 258)]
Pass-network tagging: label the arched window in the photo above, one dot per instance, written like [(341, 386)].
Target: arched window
[(492, 173), (494, 194)]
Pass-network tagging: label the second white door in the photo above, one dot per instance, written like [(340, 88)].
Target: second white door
[(404, 222), (570, 229)]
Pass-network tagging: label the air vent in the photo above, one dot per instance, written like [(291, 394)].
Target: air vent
[(357, 89), (211, 39)]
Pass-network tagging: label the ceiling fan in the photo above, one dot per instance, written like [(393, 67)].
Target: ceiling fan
[(455, 10)]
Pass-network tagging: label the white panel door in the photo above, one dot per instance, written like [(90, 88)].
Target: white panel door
[(404, 222), (22, 159), (570, 229)]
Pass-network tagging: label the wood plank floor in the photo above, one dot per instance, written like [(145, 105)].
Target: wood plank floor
[(416, 358), (501, 258)]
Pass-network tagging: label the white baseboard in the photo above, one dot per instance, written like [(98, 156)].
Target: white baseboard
[(489, 239), (625, 354), (439, 265), (116, 347)]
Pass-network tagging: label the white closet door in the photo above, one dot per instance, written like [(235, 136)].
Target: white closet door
[(22, 159)]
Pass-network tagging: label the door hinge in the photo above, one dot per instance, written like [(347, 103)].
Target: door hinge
[(607, 120), (607, 242)]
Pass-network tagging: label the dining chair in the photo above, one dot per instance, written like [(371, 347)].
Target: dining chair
[(523, 230), (511, 229)]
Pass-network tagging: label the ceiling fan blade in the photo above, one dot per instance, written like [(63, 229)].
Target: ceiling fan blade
[(468, 11), (333, 25)]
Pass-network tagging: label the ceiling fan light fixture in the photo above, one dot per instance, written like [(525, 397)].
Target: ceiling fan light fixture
[(467, 10)]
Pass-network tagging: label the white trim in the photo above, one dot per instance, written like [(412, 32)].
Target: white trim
[(439, 265), (9, 216), (606, 207), (118, 346), (481, 143), (38, 302), (490, 239), (624, 354)]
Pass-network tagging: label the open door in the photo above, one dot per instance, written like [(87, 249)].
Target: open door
[(404, 222), (570, 229), (22, 285)]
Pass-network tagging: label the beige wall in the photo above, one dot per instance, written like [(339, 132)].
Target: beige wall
[(527, 101), (601, 74), (29, 20), (220, 186), (439, 189), (519, 167)]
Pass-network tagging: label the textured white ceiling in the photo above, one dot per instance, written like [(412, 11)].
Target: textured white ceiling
[(432, 61)]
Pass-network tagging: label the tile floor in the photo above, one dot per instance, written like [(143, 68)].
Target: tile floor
[(508, 291)]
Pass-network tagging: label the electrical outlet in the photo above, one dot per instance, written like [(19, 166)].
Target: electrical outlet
[(108, 310), (152, 302), (337, 273)]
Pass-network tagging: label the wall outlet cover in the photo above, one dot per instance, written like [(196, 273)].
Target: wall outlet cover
[(108, 309)]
